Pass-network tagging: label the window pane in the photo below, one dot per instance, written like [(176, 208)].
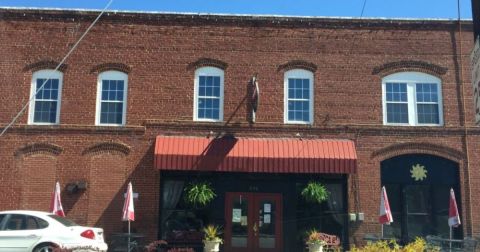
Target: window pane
[(104, 95), (201, 81), (291, 83), (216, 91), (396, 92), (209, 108), (216, 81), (208, 91), (202, 91), (216, 113), (201, 113), (45, 112), (111, 112), (428, 113), (291, 93), (426, 92), (201, 103), (397, 113), (208, 113), (291, 116)]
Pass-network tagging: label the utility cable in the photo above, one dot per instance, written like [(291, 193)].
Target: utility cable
[(363, 8), (56, 69)]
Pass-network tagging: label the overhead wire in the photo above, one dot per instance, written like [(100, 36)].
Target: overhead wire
[(56, 69), (363, 8)]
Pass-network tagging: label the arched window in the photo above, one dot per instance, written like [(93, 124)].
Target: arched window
[(208, 94), (298, 97), (412, 98), (46, 90), (111, 98)]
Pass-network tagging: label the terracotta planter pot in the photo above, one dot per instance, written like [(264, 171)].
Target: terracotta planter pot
[(315, 247), (211, 246)]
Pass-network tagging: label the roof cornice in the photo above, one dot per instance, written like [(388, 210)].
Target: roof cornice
[(198, 19)]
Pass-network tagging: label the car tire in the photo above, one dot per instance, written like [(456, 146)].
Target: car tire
[(44, 247)]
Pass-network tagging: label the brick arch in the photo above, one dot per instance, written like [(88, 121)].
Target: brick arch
[(34, 191), (111, 66), (36, 148), (107, 147), (108, 170), (409, 66), (418, 148), (44, 64), (298, 64), (207, 62)]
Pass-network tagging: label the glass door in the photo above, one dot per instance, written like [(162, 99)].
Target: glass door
[(238, 222), (253, 222), (418, 211), (268, 223)]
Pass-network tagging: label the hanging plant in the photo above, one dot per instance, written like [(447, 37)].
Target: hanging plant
[(199, 194), (315, 192)]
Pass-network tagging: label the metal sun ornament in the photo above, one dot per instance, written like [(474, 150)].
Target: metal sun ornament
[(418, 172)]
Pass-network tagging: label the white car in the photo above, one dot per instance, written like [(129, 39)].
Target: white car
[(33, 231)]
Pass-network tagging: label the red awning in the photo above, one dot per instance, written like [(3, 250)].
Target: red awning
[(255, 155)]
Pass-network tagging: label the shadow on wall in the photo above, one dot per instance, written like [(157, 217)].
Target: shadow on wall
[(110, 188)]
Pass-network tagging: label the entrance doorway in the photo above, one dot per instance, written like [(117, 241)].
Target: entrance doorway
[(418, 188), (253, 222)]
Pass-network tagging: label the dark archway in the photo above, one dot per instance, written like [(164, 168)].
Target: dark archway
[(418, 190)]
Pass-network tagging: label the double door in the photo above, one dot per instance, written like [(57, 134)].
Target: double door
[(253, 222)]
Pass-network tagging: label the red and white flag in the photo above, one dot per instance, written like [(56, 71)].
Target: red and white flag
[(128, 211), (385, 213), (56, 202), (453, 216)]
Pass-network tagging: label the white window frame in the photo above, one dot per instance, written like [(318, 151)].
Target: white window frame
[(208, 71), (45, 74), (411, 79), (297, 74), (111, 75)]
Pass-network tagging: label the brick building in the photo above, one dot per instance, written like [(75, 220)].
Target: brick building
[(165, 99)]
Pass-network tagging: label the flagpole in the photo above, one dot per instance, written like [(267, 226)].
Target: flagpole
[(128, 236), (382, 232), (450, 242)]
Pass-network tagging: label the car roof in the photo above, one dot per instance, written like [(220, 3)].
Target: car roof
[(30, 212)]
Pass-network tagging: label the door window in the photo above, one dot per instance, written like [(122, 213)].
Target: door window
[(266, 224), (239, 210)]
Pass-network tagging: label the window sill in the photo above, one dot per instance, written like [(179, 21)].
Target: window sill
[(412, 125)]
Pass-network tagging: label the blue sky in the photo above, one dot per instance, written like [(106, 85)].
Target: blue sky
[(344, 8)]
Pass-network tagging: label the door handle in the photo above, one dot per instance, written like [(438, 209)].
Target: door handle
[(255, 229), (32, 236)]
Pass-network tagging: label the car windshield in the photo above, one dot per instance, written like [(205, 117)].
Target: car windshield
[(64, 221)]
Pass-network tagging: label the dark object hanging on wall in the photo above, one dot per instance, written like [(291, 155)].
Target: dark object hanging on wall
[(76, 186)]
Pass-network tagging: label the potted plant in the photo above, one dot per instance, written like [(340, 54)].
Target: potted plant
[(314, 241), (315, 192), (212, 238), (199, 194)]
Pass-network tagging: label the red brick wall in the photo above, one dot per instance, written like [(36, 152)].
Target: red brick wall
[(158, 50), (35, 174)]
